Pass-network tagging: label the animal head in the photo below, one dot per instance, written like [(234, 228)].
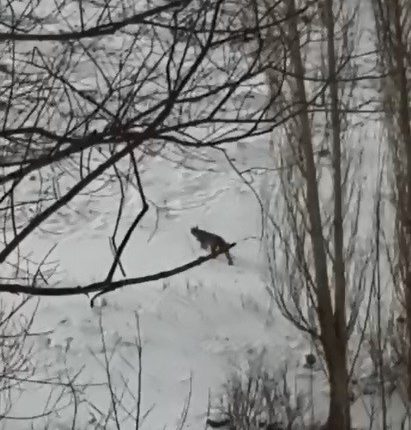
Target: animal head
[(194, 229)]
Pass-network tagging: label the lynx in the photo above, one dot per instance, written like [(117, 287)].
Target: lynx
[(212, 241)]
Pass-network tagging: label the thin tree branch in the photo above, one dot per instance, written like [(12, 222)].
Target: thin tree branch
[(98, 31), (103, 287)]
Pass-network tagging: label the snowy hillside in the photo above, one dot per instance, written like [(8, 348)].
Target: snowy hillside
[(203, 323), (198, 328)]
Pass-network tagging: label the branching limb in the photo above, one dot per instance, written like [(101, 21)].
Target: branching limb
[(102, 287)]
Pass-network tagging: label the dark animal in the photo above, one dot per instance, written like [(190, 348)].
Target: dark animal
[(212, 241)]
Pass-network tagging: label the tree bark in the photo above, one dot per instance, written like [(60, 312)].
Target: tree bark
[(333, 332), (339, 402), (405, 129), (339, 414)]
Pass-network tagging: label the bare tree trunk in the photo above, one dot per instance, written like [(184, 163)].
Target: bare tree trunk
[(404, 124), (394, 43), (332, 327), (339, 399), (339, 408)]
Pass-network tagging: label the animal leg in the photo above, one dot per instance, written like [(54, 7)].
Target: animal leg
[(230, 260)]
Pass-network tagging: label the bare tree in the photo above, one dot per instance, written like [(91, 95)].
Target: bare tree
[(88, 91), (318, 262), (393, 41), (15, 352)]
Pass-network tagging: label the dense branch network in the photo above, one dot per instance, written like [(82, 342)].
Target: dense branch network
[(80, 101)]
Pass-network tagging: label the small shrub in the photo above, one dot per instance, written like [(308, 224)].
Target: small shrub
[(260, 400)]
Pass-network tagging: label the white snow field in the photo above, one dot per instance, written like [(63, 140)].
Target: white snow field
[(205, 322), (196, 328)]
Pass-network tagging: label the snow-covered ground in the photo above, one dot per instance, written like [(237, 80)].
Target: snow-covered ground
[(196, 328), (205, 322)]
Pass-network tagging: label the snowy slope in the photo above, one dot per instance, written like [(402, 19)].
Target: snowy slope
[(203, 323)]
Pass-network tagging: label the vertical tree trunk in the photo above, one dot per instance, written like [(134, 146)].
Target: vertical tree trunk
[(339, 397), (394, 43), (332, 326), (339, 406), (404, 125)]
